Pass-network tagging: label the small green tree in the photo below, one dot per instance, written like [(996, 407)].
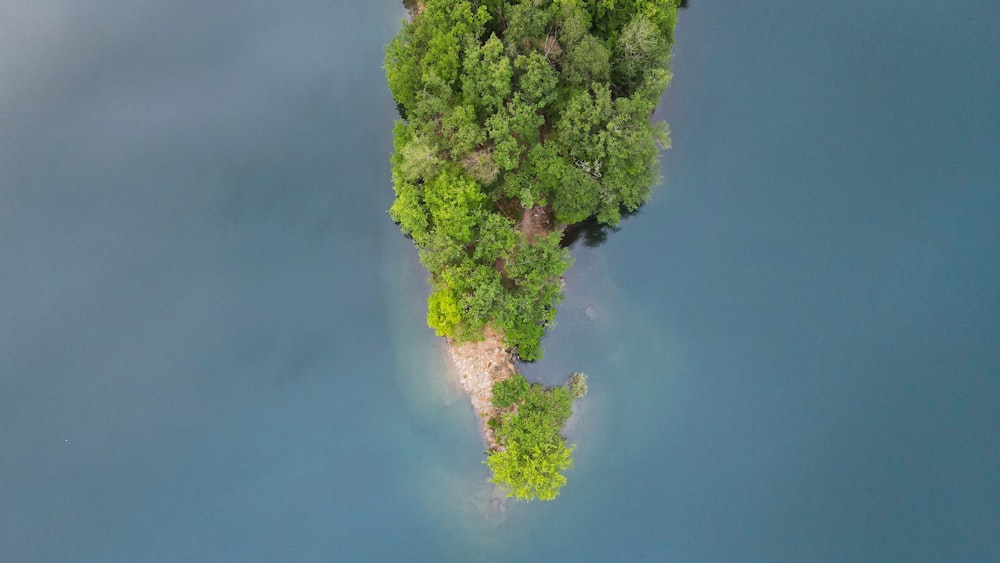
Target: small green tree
[(533, 453), (510, 391), (577, 385), (456, 205), (531, 472)]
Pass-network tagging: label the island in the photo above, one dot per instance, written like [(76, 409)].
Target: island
[(522, 124)]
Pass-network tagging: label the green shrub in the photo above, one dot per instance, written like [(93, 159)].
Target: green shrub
[(509, 391), (534, 472), (577, 385), (533, 453)]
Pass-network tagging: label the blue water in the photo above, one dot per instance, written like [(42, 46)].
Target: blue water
[(212, 345)]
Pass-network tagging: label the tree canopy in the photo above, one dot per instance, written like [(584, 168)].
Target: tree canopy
[(533, 453), (517, 106)]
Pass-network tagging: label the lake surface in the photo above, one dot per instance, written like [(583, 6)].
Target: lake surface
[(212, 343)]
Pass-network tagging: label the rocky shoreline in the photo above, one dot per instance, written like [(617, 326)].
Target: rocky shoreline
[(479, 365)]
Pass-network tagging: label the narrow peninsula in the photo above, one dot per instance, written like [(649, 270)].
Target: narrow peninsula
[(522, 122)]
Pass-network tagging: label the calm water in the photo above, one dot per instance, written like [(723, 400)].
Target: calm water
[(212, 344)]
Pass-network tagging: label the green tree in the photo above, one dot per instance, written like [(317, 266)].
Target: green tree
[(526, 24), (578, 195), (456, 205), (533, 453), (582, 127), (443, 312), (497, 238), (639, 49), (510, 391), (409, 212), (586, 62), (536, 81), (486, 82), (531, 472), (462, 131)]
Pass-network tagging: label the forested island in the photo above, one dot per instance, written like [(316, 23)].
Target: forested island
[(519, 121)]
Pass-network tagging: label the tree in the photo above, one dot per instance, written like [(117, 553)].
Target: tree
[(443, 313), (486, 82), (536, 80), (578, 196), (639, 49), (531, 472), (586, 62), (510, 391), (525, 24), (455, 204), (533, 453), (408, 211)]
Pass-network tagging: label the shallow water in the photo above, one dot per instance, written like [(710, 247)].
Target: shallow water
[(213, 343)]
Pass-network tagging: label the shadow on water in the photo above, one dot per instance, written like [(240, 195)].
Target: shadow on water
[(592, 232)]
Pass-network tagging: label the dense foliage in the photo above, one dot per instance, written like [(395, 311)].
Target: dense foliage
[(520, 117), (533, 452)]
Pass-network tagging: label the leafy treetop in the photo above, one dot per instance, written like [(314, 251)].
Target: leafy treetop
[(515, 110)]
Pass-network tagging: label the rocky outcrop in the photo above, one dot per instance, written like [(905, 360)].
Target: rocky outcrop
[(478, 365)]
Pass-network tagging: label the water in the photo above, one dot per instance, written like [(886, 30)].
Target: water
[(212, 344)]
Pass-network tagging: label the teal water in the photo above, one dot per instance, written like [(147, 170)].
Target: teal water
[(212, 345)]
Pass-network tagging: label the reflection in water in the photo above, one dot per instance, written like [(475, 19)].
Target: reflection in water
[(592, 232)]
